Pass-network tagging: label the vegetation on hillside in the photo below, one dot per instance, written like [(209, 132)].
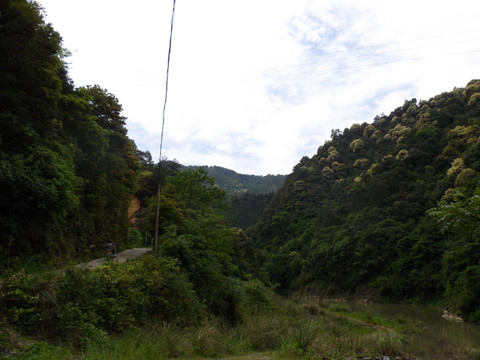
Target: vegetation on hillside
[(246, 209), (68, 172), (235, 183), (67, 168), (279, 329), (386, 208), (248, 195)]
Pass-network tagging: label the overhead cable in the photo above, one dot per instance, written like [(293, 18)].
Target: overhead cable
[(155, 248)]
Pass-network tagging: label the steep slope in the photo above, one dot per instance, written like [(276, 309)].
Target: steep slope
[(67, 169), (352, 218)]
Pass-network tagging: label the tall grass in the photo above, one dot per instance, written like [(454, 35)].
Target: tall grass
[(264, 331), (209, 339), (288, 333)]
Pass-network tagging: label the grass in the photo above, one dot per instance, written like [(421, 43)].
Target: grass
[(306, 332)]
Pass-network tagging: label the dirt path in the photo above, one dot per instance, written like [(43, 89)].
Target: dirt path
[(121, 257)]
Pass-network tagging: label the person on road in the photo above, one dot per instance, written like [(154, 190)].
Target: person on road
[(111, 251)]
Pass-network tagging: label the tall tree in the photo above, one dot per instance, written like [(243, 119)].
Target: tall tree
[(67, 168), (36, 169)]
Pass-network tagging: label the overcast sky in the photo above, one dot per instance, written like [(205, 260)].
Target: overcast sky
[(255, 85)]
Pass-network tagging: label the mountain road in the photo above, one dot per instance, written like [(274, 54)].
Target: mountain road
[(121, 257)]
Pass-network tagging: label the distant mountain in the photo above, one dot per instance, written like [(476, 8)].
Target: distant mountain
[(249, 195), (388, 208), (235, 183)]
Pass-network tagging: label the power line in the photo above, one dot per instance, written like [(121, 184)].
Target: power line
[(280, 79), (155, 248), (380, 63), (298, 60), (376, 54)]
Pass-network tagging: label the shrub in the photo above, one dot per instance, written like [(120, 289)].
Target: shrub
[(134, 237), (312, 309), (474, 354), (172, 341), (117, 296), (20, 303), (304, 335), (78, 305), (39, 350)]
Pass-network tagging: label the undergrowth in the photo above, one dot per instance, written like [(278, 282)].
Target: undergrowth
[(126, 312)]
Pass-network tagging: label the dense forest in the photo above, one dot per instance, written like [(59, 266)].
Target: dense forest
[(68, 171), (68, 174), (67, 167), (248, 195), (385, 209), (235, 183)]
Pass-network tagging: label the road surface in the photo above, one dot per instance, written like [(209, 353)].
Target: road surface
[(121, 257)]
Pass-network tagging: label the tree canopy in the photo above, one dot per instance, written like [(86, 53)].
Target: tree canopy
[(354, 218), (67, 168)]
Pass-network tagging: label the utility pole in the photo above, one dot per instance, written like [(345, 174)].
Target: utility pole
[(157, 215)]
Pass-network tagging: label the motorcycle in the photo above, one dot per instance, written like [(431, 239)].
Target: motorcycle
[(110, 252)]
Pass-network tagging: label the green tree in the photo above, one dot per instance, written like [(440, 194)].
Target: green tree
[(37, 174), (194, 231), (67, 168), (106, 161), (462, 219), (353, 215)]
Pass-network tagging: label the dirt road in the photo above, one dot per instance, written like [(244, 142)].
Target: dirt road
[(121, 257)]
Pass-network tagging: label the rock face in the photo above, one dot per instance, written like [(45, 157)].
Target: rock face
[(135, 205)]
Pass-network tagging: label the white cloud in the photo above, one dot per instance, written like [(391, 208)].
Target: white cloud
[(256, 85)]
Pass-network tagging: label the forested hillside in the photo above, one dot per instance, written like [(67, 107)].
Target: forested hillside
[(246, 209), (67, 167), (235, 183), (248, 195), (387, 208), (68, 173)]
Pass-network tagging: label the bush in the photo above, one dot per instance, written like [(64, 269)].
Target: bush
[(474, 354), (172, 341), (134, 237), (391, 344), (475, 317), (80, 304), (40, 350), (312, 309), (255, 297), (20, 303), (117, 296), (304, 335)]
